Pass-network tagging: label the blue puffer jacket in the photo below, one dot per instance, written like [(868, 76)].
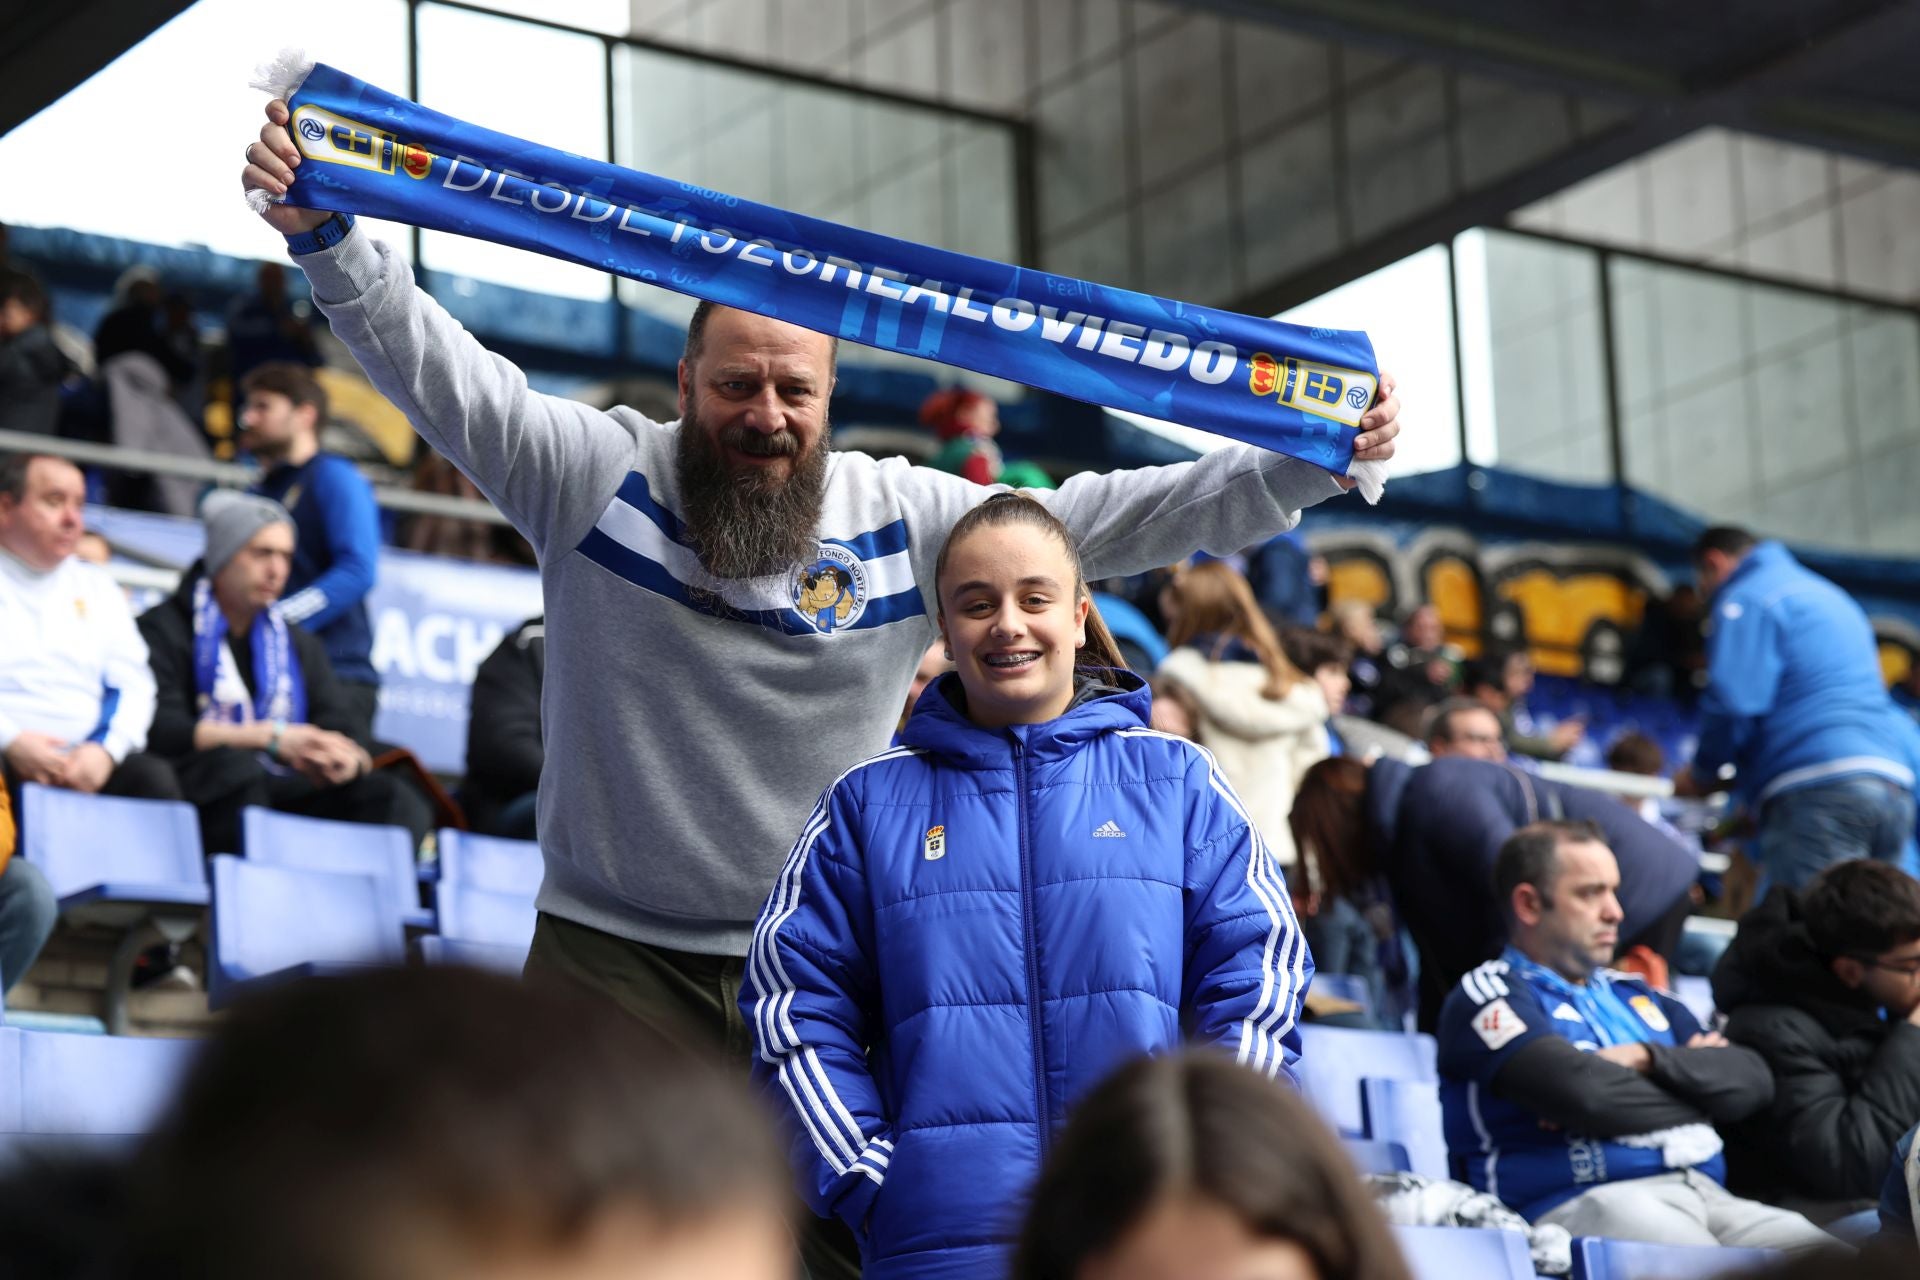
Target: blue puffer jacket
[(974, 929)]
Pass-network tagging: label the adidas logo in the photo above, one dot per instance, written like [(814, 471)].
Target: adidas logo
[(1108, 830)]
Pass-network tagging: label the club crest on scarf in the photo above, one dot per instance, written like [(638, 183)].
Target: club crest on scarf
[(831, 592)]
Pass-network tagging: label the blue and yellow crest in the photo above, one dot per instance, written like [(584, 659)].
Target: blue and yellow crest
[(830, 592)]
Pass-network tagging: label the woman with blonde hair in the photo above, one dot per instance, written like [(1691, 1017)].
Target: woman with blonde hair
[(1263, 720)]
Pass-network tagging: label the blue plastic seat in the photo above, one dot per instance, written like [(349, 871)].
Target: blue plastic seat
[(68, 1085), (130, 865), (474, 955), (321, 844), (476, 915), (113, 859), (1464, 1253), (1598, 1259), (1345, 986), (1407, 1112), (494, 863), (1333, 1061), (272, 922), (1370, 1156)]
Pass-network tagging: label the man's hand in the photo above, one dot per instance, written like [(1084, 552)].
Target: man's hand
[(1634, 1057), (326, 757), (1707, 1040), (38, 757), (88, 766), (1566, 735), (1378, 426), (270, 164)]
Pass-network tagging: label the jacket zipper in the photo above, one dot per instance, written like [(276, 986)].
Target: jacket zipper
[(1040, 1101)]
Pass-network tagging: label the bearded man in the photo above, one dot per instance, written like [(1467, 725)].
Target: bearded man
[(692, 712)]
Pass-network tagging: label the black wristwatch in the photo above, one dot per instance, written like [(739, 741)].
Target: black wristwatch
[(325, 236)]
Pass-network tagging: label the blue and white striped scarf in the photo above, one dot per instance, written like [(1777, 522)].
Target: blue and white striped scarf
[(1279, 386)]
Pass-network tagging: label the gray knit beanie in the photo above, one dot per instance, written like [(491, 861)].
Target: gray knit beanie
[(232, 519)]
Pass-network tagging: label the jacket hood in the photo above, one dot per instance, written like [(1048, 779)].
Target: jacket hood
[(939, 723), (1772, 961)]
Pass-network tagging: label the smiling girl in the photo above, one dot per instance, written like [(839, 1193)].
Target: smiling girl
[(976, 927)]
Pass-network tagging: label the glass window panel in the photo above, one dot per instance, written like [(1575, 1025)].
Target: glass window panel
[(1533, 346), (614, 17), (462, 58), (184, 189), (918, 172), (1791, 412)]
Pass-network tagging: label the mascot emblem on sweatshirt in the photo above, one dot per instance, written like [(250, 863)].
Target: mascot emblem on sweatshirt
[(830, 591)]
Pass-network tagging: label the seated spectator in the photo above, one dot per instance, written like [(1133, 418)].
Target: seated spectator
[(76, 695), (28, 909), (1638, 754), (1190, 1166), (249, 709), (1435, 830), (31, 366), (966, 423), (1329, 660), (1468, 728), (1340, 896), (1502, 680), (1584, 1097), (424, 1124), (1425, 668), (1264, 722), (1353, 621), (1288, 580), (135, 325), (505, 751), (1825, 985)]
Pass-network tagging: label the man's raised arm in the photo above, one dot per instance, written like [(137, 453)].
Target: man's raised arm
[(529, 453), (1231, 499)]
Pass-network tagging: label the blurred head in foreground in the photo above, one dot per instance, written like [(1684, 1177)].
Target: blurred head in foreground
[(1192, 1167), (435, 1123)]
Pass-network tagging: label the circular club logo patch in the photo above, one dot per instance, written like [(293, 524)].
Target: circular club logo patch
[(1357, 397), (830, 591), (312, 130)]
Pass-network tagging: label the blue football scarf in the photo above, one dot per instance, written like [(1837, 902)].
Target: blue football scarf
[(280, 689), (1282, 387)]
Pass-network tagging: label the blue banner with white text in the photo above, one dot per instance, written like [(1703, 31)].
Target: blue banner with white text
[(1283, 387)]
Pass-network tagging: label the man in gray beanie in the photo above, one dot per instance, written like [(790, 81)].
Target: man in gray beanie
[(248, 707)]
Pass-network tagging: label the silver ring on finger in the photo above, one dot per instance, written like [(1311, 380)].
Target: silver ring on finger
[(248, 153)]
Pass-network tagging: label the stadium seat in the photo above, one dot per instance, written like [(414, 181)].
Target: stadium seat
[(130, 865), (1598, 1259), (114, 852), (1333, 1061), (65, 1085), (474, 955), (468, 914), (1370, 1156), (1464, 1253), (1696, 994), (273, 922), (1345, 986), (321, 844), (1407, 1113), (493, 863)]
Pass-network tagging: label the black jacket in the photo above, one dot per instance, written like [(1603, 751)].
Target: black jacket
[(504, 748), (1438, 828), (168, 631), (31, 371), (1846, 1081)]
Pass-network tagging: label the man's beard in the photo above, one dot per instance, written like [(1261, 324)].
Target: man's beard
[(747, 522)]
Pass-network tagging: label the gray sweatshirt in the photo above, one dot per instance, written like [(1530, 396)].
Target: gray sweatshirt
[(688, 740)]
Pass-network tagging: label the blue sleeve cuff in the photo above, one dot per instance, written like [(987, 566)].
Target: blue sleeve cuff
[(325, 236)]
